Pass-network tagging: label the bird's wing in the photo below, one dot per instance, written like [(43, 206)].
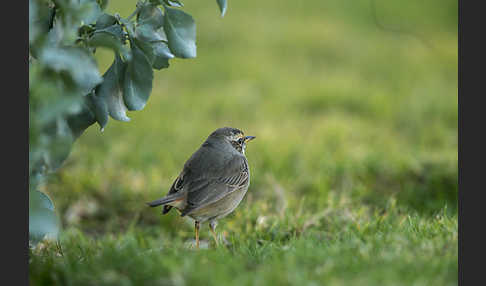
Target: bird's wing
[(190, 174), (210, 188), (177, 186)]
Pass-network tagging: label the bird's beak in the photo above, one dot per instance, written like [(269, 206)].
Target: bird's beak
[(249, 138)]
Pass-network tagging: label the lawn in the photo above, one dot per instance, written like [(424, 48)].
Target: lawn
[(353, 172)]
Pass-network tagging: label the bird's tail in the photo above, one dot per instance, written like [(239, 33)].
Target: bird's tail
[(165, 200)]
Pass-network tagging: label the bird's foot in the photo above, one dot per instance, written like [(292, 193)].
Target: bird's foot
[(203, 244)]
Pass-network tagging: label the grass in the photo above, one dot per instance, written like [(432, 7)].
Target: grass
[(354, 169), (343, 247)]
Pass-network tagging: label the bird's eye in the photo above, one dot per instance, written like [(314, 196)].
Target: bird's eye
[(241, 140)]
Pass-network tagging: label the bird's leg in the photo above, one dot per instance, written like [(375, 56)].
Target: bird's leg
[(196, 226), (212, 227)]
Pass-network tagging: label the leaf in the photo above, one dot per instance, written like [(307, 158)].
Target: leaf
[(80, 121), (174, 3), (91, 11), (45, 201), (150, 15), (59, 140), (111, 92), (57, 106), (103, 4), (110, 37), (115, 30), (152, 43), (76, 62), (181, 33), (147, 33), (171, 3), (55, 35), (33, 29), (137, 84), (147, 48), (129, 26), (43, 222), (157, 53), (100, 109), (162, 35), (40, 18), (222, 6), (162, 55), (105, 20)]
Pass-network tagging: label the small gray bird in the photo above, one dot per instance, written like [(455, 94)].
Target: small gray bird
[(213, 181)]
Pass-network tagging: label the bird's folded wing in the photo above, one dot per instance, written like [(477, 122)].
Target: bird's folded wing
[(176, 187), (206, 190)]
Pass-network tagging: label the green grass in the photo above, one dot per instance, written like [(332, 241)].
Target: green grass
[(354, 169), (343, 247)]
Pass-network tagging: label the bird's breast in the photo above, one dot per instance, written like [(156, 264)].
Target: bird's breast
[(222, 207)]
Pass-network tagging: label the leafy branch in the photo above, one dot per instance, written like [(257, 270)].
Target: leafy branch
[(67, 94)]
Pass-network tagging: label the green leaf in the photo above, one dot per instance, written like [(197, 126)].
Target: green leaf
[(100, 109), (147, 33), (152, 43), (129, 26), (110, 37), (91, 11), (104, 21), (103, 4), (162, 56), (33, 29), (222, 6), (40, 18), (174, 3), (74, 61), (137, 84), (58, 105), (171, 3), (58, 140), (146, 47), (45, 201), (80, 121), (43, 222), (150, 15), (115, 30), (181, 33), (157, 53), (162, 34), (111, 92), (55, 35)]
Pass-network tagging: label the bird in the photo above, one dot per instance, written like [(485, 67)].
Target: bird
[(213, 181)]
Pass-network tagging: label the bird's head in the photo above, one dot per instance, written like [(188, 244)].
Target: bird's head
[(234, 136)]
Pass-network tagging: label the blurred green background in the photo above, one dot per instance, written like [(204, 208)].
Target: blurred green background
[(354, 169)]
